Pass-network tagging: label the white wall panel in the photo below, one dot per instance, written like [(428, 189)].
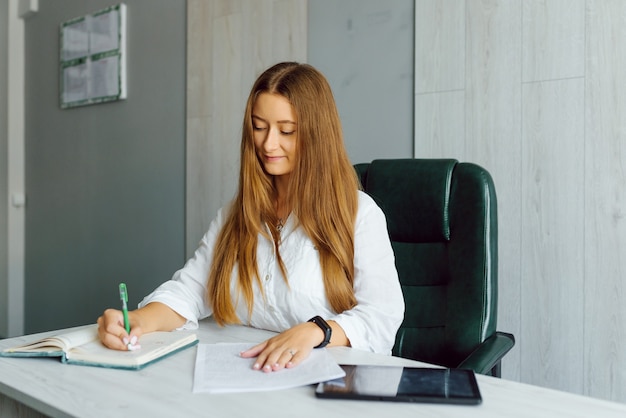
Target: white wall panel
[(605, 200), (553, 39), (439, 45), (493, 138), (440, 125), (230, 42), (552, 234)]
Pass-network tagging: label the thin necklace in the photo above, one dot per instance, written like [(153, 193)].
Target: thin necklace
[(281, 220), (280, 224)]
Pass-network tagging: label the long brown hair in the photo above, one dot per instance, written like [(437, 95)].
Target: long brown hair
[(322, 194)]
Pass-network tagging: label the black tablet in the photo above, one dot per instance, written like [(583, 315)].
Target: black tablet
[(403, 384)]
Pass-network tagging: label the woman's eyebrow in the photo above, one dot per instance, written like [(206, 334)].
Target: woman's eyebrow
[(279, 121)]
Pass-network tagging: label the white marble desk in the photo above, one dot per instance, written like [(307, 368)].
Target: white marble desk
[(164, 390)]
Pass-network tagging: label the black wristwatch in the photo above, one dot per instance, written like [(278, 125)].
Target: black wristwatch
[(328, 331)]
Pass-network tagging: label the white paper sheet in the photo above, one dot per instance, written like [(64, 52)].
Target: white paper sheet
[(220, 369)]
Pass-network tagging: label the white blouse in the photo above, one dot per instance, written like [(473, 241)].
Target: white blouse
[(371, 325)]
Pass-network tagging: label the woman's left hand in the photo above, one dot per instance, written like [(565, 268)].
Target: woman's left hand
[(287, 349)]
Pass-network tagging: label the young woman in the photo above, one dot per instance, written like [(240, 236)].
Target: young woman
[(301, 250)]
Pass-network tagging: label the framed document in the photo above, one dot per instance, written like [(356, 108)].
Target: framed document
[(93, 58)]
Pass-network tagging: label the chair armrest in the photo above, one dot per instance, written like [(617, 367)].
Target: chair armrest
[(487, 356)]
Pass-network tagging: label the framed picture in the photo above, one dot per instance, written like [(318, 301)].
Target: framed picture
[(93, 58)]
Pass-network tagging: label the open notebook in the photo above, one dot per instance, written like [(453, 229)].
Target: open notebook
[(81, 346)]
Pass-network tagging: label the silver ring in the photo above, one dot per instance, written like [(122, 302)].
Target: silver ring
[(293, 353)]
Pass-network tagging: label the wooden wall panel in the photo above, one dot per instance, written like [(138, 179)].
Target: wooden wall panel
[(439, 45), (553, 39), (552, 234), (493, 139), (605, 203), (440, 125), (552, 193), (439, 122), (229, 43)]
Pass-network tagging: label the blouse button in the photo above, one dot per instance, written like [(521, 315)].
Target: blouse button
[(267, 277)]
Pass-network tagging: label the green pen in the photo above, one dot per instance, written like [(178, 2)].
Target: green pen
[(124, 297)]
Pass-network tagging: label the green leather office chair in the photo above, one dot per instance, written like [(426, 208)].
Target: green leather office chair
[(442, 220)]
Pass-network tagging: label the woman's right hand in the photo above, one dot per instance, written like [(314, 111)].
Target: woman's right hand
[(112, 332), (154, 316)]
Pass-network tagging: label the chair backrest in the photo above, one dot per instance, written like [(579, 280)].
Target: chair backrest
[(442, 221)]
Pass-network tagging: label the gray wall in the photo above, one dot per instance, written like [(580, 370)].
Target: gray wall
[(3, 169), (364, 47), (104, 183)]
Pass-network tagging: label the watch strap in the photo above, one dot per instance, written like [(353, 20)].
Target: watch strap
[(320, 322)]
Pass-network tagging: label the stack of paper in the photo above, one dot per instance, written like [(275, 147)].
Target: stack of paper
[(220, 369)]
